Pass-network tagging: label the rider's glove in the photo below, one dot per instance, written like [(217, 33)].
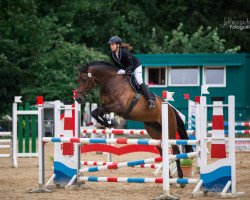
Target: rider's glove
[(121, 71)]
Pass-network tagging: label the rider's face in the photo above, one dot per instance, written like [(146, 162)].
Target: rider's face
[(113, 46)]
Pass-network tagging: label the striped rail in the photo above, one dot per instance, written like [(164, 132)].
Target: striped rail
[(98, 163), (236, 132), (102, 141), (138, 162), (135, 180), (117, 141), (226, 132), (121, 165), (115, 131), (246, 124)]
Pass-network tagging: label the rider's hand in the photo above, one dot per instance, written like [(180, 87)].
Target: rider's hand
[(121, 71)]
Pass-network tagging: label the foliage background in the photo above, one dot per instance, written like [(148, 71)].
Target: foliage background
[(42, 41)]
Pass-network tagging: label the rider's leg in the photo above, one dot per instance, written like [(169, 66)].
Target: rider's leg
[(144, 88)]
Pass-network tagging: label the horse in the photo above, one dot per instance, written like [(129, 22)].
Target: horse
[(116, 96)]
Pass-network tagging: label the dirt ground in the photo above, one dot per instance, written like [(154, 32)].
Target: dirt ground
[(16, 182)]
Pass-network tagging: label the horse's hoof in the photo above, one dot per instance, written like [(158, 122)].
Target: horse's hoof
[(182, 185), (114, 123)]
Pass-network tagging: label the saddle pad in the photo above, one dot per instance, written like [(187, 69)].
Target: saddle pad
[(137, 88)]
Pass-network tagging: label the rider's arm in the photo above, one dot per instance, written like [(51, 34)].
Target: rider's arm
[(129, 59)]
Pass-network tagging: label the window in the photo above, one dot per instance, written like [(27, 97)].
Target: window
[(184, 76), (214, 76), (155, 76)]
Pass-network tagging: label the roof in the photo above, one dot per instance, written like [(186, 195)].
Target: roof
[(205, 59)]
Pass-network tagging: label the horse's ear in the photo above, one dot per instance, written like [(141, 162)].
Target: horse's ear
[(79, 67), (86, 68)]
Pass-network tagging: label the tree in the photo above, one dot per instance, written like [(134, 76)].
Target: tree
[(42, 41), (54, 75), (201, 41)]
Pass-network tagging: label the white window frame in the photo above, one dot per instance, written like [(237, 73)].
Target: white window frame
[(184, 85), (146, 76), (213, 85)]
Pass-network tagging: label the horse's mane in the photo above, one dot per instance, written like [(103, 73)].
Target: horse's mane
[(102, 64)]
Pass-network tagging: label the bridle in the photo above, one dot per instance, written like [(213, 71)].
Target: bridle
[(89, 79)]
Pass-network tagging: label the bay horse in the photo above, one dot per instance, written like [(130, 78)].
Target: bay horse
[(116, 95)]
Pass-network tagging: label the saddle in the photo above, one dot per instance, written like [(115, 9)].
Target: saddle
[(137, 88), (138, 93)]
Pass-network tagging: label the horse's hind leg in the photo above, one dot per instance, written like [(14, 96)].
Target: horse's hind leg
[(154, 130), (182, 132), (176, 150)]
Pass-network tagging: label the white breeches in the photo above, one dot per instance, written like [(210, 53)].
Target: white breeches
[(138, 75)]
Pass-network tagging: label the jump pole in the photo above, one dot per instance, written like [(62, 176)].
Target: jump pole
[(41, 158), (165, 155), (14, 136)]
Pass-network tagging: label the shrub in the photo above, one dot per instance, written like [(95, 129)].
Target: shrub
[(187, 162)]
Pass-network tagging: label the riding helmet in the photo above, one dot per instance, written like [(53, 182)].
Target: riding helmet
[(115, 39)]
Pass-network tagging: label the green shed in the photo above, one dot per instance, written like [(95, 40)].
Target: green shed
[(225, 74)]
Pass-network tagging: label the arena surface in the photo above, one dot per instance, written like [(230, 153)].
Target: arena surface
[(16, 182)]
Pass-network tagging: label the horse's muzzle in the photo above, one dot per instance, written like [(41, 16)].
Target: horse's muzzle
[(80, 99)]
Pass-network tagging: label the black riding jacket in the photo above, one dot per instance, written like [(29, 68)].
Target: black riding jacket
[(125, 60)]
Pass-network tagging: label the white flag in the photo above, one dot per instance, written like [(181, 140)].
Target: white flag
[(204, 89), (170, 96), (18, 99)]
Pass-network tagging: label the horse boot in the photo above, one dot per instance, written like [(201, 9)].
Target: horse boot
[(146, 94)]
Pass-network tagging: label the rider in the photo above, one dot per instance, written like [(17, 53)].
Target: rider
[(127, 62)]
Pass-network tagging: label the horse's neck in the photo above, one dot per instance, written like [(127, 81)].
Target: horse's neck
[(116, 87), (101, 76)]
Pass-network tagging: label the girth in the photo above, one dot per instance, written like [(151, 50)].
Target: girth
[(132, 104)]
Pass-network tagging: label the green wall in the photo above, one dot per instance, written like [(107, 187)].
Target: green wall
[(247, 86), (237, 81)]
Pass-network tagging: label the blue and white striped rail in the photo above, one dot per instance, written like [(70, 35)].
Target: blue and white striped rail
[(117, 141), (135, 180), (100, 163), (137, 162), (183, 156), (121, 165), (103, 141), (183, 142)]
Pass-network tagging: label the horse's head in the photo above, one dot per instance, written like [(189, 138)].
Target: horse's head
[(85, 82)]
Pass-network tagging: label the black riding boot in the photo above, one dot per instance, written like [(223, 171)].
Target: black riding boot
[(146, 93)]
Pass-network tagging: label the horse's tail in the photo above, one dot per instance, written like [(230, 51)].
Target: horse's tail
[(182, 131)]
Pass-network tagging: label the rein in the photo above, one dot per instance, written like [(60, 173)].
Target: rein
[(91, 86)]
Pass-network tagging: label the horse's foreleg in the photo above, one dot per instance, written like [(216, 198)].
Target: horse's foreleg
[(176, 150), (98, 115)]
